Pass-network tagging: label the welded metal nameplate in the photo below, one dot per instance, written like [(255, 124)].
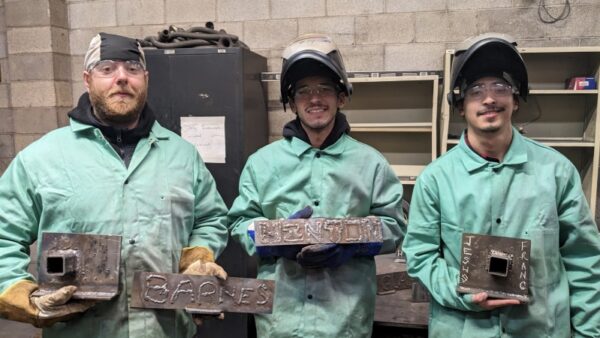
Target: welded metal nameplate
[(201, 294), (90, 262), (392, 282), (318, 230), (496, 265)]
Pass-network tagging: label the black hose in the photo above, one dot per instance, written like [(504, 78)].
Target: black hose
[(175, 37)]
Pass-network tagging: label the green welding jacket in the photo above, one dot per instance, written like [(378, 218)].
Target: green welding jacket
[(345, 179), (534, 193), (73, 181)]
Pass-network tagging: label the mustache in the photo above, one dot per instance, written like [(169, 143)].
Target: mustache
[(491, 109), (122, 91)]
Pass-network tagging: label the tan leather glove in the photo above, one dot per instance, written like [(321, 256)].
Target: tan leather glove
[(199, 260), (17, 304)]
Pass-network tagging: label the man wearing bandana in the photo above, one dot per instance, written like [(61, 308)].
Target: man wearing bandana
[(113, 171)]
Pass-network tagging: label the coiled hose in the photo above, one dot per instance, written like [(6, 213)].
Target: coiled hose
[(175, 37)]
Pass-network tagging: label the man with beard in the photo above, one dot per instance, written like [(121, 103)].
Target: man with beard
[(113, 171), (318, 169), (497, 182)]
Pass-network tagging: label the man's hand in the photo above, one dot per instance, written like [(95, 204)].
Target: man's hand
[(17, 304), (482, 300), (331, 255)]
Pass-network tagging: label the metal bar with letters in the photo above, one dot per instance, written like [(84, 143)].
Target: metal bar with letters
[(318, 230), (201, 294)]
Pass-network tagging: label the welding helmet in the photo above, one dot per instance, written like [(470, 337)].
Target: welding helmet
[(490, 54), (310, 55)]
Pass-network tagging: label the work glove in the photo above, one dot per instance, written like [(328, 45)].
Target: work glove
[(287, 251), (16, 303), (332, 255), (199, 260)]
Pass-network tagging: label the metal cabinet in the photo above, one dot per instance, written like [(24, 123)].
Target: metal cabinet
[(223, 82)]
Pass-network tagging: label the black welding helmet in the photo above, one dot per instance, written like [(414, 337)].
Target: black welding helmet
[(309, 55), (490, 54)]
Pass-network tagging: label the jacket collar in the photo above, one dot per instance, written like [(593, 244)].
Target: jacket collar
[(294, 129), (516, 154), (300, 147)]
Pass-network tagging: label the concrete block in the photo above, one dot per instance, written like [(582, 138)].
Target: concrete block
[(385, 28), (29, 40), (62, 66), (278, 118), (64, 98), (415, 56), (595, 42), (4, 73), (27, 13), (478, 4), (140, 12), (7, 146), (7, 325), (34, 120), (535, 3), (273, 93), (516, 22), (76, 69), (363, 58), (301, 9), (445, 26), (190, 11), (59, 13), (6, 116), (31, 66), (23, 140), (270, 33), (339, 28), (2, 19), (60, 40), (4, 103), (85, 14), (77, 89), (32, 94), (354, 7), (242, 10), (3, 49), (583, 22), (395, 6), (62, 116)]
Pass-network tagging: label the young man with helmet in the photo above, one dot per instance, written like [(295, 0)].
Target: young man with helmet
[(498, 182), (324, 290)]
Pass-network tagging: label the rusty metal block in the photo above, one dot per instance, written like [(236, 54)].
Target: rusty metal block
[(201, 294), (318, 230), (90, 262), (496, 265)]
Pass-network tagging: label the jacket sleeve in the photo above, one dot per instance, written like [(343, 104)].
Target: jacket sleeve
[(387, 204), (422, 247), (245, 209), (19, 219), (580, 253), (210, 212)]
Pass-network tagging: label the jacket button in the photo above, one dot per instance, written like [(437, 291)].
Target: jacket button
[(318, 154), (131, 241), (126, 181), (316, 203), (309, 296), (498, 221)]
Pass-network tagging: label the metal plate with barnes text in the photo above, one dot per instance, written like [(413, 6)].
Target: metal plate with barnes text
[(90, 262), (318, 230), (201, 294), (496, 265)]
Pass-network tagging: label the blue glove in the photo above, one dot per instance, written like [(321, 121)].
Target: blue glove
[(287, 251), (331, 255)]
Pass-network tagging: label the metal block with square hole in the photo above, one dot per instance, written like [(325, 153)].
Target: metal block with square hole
[(496, 265), (318, 230), (90, 262)]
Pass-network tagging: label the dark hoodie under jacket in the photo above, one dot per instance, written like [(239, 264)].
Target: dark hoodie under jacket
[(340, 127)]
